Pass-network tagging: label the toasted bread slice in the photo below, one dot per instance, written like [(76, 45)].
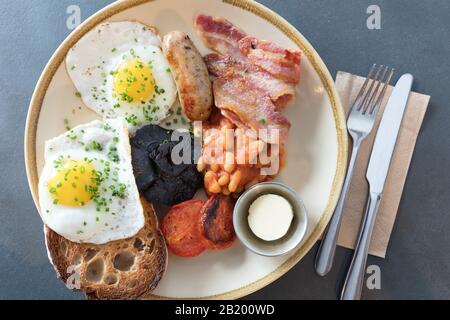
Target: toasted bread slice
[(122, 269)]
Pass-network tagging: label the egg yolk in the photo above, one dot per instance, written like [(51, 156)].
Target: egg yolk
[(73, 184), (134, 81)]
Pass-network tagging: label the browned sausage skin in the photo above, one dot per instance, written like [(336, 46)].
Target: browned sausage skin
[(190, 74)]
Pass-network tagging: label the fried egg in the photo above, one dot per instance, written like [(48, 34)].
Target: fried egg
[(119, 70), (87, 192)]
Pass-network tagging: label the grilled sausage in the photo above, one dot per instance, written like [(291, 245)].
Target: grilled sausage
[(191, 75)]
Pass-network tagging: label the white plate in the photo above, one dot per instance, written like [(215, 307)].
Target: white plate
[(317, 145)]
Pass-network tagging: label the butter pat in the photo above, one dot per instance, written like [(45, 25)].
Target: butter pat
[(270, 217)]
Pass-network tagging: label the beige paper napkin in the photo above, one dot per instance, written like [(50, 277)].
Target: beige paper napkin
[(348, 86)]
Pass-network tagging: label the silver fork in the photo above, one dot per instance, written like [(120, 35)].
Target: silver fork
[(360, 123)]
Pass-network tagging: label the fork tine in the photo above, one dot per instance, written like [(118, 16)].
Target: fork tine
[(364, 104), (356, 104), (370, 105), (379, 100)]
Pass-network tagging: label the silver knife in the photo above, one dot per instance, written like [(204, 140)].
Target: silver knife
[(377, 171)]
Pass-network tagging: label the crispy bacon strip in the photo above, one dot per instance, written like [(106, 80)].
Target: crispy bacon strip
[(254, 78), (219, 34), (280, 92), (223, 37), (246, 106), (282, 63)]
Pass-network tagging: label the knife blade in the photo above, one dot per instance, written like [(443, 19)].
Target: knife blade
[(386, 138)]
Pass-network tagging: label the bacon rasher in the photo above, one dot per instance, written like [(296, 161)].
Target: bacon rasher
[(248, 107), (282, 63), (280, 92), (253, 78), (219, 34)]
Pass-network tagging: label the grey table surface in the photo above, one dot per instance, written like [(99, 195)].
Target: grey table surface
[(414, 37)]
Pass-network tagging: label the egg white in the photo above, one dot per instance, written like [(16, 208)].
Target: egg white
[(91, 61), (84, 223)]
